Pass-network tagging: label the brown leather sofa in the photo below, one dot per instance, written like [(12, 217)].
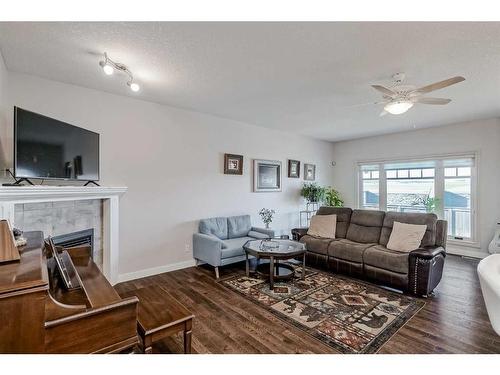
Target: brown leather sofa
[(359, 249)]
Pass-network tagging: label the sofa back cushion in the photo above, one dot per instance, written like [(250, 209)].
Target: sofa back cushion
[(365, 226), (216, 226), (410, 218), (238, 226), (343, 218)]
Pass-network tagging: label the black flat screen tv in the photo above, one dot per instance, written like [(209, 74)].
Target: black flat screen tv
[(46, 148)]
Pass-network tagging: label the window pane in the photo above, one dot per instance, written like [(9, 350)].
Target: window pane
[(464, 171), (366, 174), (402, 173), (410, 195), (457, 206), (415, 173), (450, 172), (391, 174), (370, 198), (375, 174), (429, 172)]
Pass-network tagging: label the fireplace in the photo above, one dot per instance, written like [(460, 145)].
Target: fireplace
[(79, 238)]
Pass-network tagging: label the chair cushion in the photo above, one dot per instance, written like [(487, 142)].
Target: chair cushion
[(238, 226), (216, 226), (316, 244), (381, 257), (234, 247), (343, 218), (348, 250), (406, 237), (410, 218), (365, 226), (323, 226)]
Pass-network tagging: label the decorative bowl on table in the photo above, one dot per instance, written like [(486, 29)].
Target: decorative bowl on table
[(269, 245)]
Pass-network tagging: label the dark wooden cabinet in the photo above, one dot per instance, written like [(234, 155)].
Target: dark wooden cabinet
[(37, 315)]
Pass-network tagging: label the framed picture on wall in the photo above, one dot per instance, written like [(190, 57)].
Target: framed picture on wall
[(309, 172), (266, 175), (293, 168), (233, 164)]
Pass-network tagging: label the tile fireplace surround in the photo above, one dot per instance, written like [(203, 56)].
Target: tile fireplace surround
[(110, 196)]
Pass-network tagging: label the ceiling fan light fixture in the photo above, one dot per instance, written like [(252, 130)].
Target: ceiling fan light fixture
[(398, 107)]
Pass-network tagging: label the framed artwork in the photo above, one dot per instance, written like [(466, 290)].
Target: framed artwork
[(309, 172), (293, 168), (266, 175), (233, 164)]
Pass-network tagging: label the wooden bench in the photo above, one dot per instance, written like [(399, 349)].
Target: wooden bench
[(160, 315)]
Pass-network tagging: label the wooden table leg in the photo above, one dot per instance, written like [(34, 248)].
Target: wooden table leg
[(147, 345), (187, 336), (271, 273)]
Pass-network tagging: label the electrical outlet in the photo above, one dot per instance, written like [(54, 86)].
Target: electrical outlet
[(187, 248)]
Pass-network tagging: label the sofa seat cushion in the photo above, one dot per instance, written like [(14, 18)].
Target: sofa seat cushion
[(234, 247), (348, 250), (316, 245), (381, 257)]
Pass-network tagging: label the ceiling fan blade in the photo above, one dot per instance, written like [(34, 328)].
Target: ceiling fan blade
[(439, 85), (384, 90), (436, 101), (383, 113)]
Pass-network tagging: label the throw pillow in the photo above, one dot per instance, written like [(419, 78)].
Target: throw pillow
[(406, 237), (323, 226)]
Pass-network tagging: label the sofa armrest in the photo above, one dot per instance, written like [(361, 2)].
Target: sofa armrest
[(268, 232), (298, 233), (425, 269), (428, 252), (207, 248)]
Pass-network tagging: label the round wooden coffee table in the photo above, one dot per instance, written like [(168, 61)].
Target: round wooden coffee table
[(276, 251)]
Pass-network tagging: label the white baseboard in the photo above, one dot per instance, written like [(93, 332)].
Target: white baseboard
[(155, 270), (466, 252)]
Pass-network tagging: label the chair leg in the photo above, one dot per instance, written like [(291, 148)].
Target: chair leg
[(216, 272)]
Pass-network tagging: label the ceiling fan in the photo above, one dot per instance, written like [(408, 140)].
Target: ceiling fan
[(399, 98)]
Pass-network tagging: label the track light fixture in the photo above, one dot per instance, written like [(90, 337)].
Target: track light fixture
[(109, 66)]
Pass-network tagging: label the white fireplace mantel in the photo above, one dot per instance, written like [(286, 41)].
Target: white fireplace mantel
[(10, 196)]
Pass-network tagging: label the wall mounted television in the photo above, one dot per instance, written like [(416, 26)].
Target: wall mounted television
[(46, 148)]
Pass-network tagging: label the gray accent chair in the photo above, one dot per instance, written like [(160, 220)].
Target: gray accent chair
[(220, 240)]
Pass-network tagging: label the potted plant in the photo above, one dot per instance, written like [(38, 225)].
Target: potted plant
[(267, 216), (312, 192), (332, 197), (431, 204)]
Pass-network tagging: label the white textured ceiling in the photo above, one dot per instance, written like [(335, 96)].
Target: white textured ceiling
[(298, 77)]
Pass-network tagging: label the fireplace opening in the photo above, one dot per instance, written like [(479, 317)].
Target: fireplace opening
[(82, 237)]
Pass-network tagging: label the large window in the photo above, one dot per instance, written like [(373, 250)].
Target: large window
[(444, 186)]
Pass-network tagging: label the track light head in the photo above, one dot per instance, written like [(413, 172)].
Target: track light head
[(133, 86), (109, 66)]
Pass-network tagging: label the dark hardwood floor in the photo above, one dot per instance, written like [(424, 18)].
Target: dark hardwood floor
[(452, 321)]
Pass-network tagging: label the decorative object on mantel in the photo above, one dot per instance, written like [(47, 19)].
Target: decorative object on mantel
[(267, 216), (266, 175), (233, 164), (8, 248), (309, 172), (293, 169)]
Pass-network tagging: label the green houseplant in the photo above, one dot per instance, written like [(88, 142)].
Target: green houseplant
[(267, 216), (332, 197), (431, 204), (312, 192)]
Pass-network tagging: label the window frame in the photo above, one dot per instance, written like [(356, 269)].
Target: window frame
[(439, 185)]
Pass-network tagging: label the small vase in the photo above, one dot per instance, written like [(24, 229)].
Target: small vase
[(267, 225)]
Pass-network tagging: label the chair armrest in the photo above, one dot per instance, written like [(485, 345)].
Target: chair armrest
[(298, 233), (268, 232), (428, 252), (207, 248)]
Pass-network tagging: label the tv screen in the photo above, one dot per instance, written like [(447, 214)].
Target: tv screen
[(50, 149)]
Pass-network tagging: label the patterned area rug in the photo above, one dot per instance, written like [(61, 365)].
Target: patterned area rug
[(349, 315)]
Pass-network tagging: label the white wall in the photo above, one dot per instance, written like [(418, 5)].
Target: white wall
[(482, 136), (3, 110), (172, 162)]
